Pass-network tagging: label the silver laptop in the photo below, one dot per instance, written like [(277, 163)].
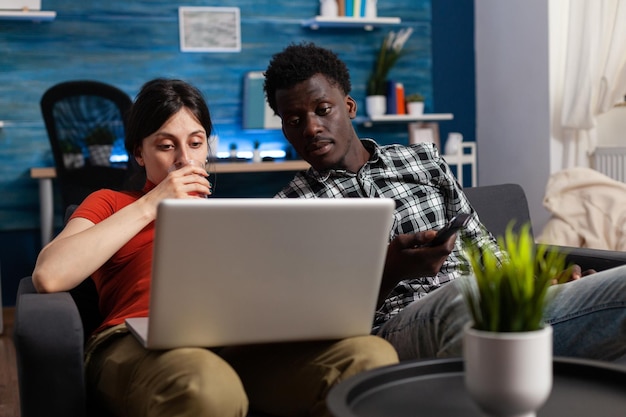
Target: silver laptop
[(241, 271)]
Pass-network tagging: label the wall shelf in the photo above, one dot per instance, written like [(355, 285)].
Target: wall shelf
[(367, 23), (403, 118), (32, 15)]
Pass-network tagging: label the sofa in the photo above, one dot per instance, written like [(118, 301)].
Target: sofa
[(50, 329)]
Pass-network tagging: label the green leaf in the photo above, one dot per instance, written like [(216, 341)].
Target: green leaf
[(509, 296)]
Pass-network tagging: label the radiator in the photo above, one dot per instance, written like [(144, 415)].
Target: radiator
[(611, 161)]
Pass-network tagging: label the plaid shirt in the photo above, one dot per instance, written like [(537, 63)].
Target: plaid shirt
[(426, 194)]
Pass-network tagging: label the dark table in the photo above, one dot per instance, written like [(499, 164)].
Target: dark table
[(436, 388)]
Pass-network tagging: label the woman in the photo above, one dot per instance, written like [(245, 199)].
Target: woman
[(109, 237)]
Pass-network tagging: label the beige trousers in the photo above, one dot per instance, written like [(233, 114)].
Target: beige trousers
[(286, 379)]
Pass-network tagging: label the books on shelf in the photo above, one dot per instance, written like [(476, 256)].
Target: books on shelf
[(354, 8), (395, 98), (400, 103)]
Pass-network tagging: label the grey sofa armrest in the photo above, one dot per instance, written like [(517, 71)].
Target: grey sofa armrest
[(598, 259), (49, 351)]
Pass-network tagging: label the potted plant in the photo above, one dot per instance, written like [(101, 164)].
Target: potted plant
[(72, 154), (415, 104), (507, 347), (388, 54), (100, 144), (256, 152), (232, 150)]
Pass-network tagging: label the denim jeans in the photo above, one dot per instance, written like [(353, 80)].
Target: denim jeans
[(588, 317)]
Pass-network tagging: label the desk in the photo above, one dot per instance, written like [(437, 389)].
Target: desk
[(45, 176), (436, 388)]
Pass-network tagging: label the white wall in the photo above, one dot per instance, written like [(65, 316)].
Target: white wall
[(513, 97)]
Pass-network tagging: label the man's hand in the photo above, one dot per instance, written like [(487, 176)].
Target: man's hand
[(572, 273), (407, 257)]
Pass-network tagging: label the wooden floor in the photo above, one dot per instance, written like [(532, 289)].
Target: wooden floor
[(9, 396)]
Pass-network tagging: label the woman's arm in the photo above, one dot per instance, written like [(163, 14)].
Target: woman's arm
[(82, 247)]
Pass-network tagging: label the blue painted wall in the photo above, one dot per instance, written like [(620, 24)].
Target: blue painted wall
[(125, 43)]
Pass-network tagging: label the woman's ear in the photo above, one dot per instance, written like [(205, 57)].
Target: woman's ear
[(138, 157)]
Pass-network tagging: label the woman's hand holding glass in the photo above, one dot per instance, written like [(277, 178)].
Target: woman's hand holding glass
[(192, 178)]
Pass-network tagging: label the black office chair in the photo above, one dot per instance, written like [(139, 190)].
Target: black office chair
[(79, 115)]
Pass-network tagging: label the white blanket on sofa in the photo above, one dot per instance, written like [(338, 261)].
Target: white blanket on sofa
[(588, 209)]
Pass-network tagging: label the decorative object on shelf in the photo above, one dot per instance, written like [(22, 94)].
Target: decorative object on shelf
[(376, 105), (371, 9), (29, 10), (257, 114), (329, 8), (72, 155), (100, 144), (420, 132), (389, 53), (454, 143), (233, 150), (415, 104), (395, 98), (256, 152), (507, 348)]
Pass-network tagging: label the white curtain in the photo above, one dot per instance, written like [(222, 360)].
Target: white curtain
[(594, 76)]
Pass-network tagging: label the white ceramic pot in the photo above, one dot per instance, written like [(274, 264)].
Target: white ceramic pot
[(371, 9), (329, 8), (375, 105), (99, 155), (73, 160), (415, 108), (508, 374)]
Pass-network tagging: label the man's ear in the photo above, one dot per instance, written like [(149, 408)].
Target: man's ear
[(351, 106)]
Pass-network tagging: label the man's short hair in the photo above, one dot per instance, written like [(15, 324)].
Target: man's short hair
[(299, 62)]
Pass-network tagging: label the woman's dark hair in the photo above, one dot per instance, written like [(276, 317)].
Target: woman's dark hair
[(157, 101), (299, 62)]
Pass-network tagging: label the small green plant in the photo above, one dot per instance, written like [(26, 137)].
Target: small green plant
[(69, 147), (100, 136), (415, 97), (510, 295)]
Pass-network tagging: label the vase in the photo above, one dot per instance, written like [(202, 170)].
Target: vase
[(73, 160), (454, 143), (371, 9), (100, 155), (375, 105), (508, 374), (329, 8), (415, 108)]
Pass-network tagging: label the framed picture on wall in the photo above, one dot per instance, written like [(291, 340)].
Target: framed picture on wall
[(209, 29), (420, 132)]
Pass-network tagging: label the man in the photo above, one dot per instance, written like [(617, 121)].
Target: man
[(308, 87)]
